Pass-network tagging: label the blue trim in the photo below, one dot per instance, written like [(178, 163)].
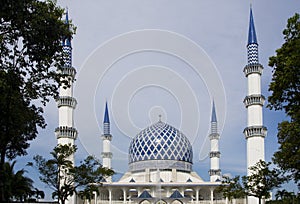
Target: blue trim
[(176, 195), (68, 42), (213, 113), (145, 195), (67, 17), (252, 34), (106, 116)]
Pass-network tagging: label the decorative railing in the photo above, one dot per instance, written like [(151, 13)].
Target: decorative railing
[(214, 154), (255, 99), (66, 132), (214, 172), (253, 68), (106, 155), (106, 137), (66, 101), (213, 136), (255, 131), (68, 71)]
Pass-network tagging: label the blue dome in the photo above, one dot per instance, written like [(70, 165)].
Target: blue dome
[(160, 146)]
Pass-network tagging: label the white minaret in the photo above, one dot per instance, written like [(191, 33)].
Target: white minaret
[(255, 132), (215, 171), (65, 132), (106, 137)]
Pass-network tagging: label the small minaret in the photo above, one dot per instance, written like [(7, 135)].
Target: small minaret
[(66, 103), (255, 132), (214, 154), (106, 137)]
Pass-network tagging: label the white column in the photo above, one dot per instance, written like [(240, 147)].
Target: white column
[(211, 196), (95, 196), (110, 195), (124, 195), (197, 195)]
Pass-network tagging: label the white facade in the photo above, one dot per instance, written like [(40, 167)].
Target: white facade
[(160, 171)]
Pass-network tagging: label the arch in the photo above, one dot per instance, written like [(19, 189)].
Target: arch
[(117, 194), (103, 194), (145, 202), (176, 202), (161, 202)]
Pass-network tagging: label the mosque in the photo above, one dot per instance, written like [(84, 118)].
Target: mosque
[(160, 161)]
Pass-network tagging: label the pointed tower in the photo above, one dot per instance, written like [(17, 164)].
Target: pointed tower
[(215, 171), (66, 103), (106, 137), (255, 132)]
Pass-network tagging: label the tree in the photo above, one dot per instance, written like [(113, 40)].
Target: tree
[(65, 179), (262, 180), (30, 50), (285, 88), (231, 188), (17, 186)]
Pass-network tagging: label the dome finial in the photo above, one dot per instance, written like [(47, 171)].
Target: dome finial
[(159, 117)]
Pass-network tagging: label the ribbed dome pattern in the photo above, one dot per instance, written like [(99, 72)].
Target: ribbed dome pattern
[(160, 141)]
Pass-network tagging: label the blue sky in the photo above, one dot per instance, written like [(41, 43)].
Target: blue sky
[(199, 54)]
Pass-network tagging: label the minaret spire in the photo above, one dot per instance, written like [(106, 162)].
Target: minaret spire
[(67, 47), (255, 132), (106, 115), (106, 138), (66, 133), (213, 113), (252, 34), (215, 171)]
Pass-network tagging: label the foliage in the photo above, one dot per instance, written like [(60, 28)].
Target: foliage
[(285, 197), (88, 175), (17, 186), (262, 180), (55, 172), (285, 87), (30, 48), (231, 188), (65, 179), (18, 118)]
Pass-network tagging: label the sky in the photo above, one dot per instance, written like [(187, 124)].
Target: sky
[(170, 58)]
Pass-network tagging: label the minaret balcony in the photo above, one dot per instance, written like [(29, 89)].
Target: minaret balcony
[(214, 136), (214, 154), (66, 132), (66, 101), (253, 68), (213, 172), (106, 137), (255, 99), (68, 71), (255, 131), (106, 155)]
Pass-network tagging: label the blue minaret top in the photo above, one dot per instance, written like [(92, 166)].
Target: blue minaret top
[(213, 113), (67, 17), (67, 40), (66, 43), (252, 34), (106, 116)]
